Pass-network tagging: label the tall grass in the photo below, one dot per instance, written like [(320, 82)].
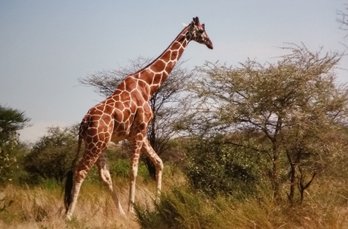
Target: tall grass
[(325, 206), (42, 207)]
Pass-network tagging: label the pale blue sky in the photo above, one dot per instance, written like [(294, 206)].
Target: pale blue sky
[(47, 46)]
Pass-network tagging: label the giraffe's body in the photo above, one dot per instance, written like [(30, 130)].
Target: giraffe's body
[(125, 115)]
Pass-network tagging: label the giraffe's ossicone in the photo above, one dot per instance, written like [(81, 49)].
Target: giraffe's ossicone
[(126, 115)]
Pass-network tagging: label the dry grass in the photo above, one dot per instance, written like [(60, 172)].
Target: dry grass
[(35, 207), (42, 206), (325, 206)]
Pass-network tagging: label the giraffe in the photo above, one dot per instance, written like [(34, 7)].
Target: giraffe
[(125, 115)]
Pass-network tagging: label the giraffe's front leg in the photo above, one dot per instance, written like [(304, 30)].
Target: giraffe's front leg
[(137, 143)]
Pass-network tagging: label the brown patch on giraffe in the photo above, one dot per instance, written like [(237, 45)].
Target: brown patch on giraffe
[(153, 89), (107, 119), (166, 56), (96, 111), (115, 95), (142, 126), (95, 118), (146, 75), (144, 89), (119, 130), (100, 144), (133, 109), (89, 139), (125, 96), (137, 97), (184, 43), (158, 66), (157, 79), (96, 138), (169, 67), (119, 105), (121, 87), (111, 102), (102, 128), (118, 115), (126, 114), (142, 84), (176, 45), (126, 104), (130, 84), (174, 55), (181, 50), (148, 78), (108, 109)]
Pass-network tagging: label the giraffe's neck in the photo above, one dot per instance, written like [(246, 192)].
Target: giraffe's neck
[(157, 71)]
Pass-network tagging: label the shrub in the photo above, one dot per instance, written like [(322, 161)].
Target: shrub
[(215, 167), (51, 156), (121, 168)]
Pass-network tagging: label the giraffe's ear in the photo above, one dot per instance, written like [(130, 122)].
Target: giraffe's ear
[(196, 20), (192, 25)]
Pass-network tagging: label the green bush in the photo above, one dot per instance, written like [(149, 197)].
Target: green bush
[(217, 168), (11, 163), (51, 157), (121, 168)]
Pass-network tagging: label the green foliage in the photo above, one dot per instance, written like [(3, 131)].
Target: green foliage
[(11, 120), (121, 168), (52, 155), (218, 168)]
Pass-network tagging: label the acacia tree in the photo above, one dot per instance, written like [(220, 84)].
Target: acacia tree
[(11, 121), (290, 108), (167, 103)]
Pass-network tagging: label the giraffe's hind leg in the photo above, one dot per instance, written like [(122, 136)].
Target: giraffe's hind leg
[(80, 173), (157, 161), (105, 176)]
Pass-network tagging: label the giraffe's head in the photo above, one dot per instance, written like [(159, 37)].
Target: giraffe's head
[(197, 33)]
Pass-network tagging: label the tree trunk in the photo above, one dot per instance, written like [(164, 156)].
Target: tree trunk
[(275, 174), (292, 178)]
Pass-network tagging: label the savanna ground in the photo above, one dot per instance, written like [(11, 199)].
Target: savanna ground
[(325, 206)]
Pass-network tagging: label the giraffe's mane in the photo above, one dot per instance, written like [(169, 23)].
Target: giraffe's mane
[(155, 59)]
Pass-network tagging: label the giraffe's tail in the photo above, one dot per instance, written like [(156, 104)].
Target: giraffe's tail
[(69, 181), (68, 189)]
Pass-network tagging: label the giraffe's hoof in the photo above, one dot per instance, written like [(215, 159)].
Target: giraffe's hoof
[(131, 210), (68, 217), (122, 213)]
